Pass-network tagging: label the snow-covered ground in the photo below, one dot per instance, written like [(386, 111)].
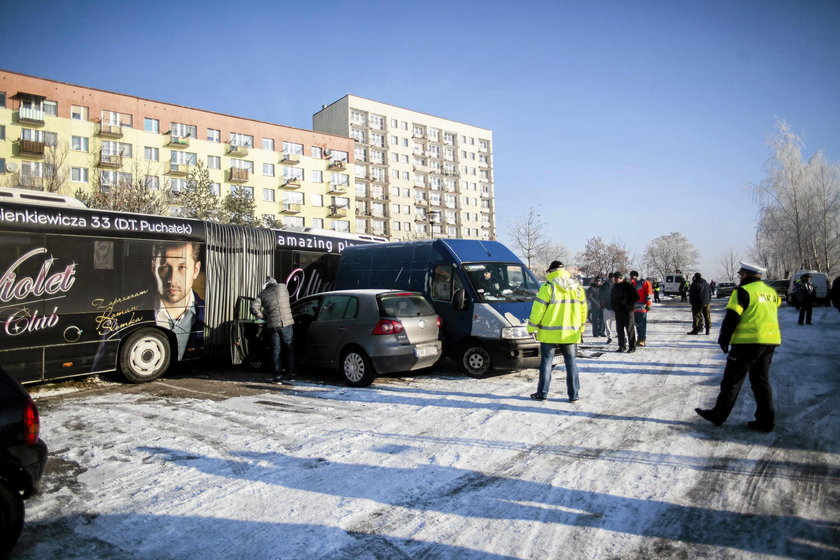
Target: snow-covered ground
[(444, 466)]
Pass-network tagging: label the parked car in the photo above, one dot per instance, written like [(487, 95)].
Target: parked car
[(725, 289), (781, 286), (23, 456), (364, 333)]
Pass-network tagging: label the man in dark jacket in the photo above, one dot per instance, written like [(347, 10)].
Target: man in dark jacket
[(700, 298), (806, 295), (606, 307), (623, 301), (593, 300), (273, 300)]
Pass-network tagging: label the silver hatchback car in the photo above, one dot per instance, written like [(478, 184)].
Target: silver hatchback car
[(364, 333)]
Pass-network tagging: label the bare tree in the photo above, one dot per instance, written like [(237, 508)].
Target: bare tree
[(50, 176), (800, 207), (550, 252), (136, 190), (729, 263), (670, 253), (599, 258), (528, 239)]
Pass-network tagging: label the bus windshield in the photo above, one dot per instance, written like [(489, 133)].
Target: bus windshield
[(499, 282)]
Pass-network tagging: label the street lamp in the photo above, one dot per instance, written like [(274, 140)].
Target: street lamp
[(434, 218)]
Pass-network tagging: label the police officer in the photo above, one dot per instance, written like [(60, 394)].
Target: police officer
[(751, 327), (558, 317)]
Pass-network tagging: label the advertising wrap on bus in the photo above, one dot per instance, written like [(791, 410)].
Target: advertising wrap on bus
[(86, 291)]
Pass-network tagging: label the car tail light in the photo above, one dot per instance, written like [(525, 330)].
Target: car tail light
[(439, 323), (31, 423), (387, 326)]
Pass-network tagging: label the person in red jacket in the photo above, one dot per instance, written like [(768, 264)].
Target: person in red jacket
[(645, 291)]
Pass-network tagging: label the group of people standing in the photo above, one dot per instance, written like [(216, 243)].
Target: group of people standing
[(749, 334)]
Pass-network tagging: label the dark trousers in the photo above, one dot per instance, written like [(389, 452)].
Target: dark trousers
[(805, 312), (743, 359), (626, 327), (699, 313), (275, 336), (596, 315)]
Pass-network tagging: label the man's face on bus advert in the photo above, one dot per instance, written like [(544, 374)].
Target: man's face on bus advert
[(175, 268)]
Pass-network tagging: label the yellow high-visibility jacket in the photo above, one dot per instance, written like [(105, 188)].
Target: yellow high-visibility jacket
[(558, 315), (759, 322)]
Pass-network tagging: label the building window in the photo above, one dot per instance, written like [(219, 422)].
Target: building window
[(51, 108), (357, 117), (292, 149), (214, 162), (151, 125), (214, 135), (293, 197), (293, 221), (317, 152), (316, 199), (338, 155), (151, 154), (114, 118), (180, 130), (79, 143), (182, 158), (317, 176), (245, 140), (268, 144), (152, 182), (358, 135), (2, 132), (318, 223), (215, 188), (177, 185), (293, 173), (78, 113), (2, 98), (268, 195), (359, 154), (342, 226), (79, 174), (268, 169)]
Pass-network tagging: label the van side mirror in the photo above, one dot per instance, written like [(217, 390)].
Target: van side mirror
[(459, 299)]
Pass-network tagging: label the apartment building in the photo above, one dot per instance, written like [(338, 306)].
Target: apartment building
[(416, 175), (64, 137)]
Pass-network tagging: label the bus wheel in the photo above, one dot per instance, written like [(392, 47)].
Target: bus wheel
[(144, 356), (474, 360), (356, 368)]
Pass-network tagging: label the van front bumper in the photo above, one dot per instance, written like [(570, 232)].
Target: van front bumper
[(518, 353)]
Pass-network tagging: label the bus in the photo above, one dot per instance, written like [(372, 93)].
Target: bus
[(87, 291)]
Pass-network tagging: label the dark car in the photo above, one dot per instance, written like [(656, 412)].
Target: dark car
[(363, 333), (781, 286), (725, 289), (23, 457)]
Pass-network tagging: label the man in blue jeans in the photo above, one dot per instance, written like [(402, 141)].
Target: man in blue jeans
[(274, 301), (558, 317)]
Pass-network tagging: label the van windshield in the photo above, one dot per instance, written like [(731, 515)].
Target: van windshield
[(502, 281)]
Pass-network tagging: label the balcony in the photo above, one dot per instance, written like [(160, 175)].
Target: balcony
[(421, 203), (291, 183), (290, 159), (31, 116), (337, 165), (179, 169), (31, 148), (335, 212), (335, 188), (238, 175), (235, 150), (110, 130), (178, 141), (291, 208), (110, 160)]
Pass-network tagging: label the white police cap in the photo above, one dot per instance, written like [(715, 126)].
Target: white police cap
[(754, 268)]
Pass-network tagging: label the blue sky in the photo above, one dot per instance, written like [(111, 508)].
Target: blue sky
[(626, 120)]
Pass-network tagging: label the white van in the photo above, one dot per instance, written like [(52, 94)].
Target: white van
[(818, 279)]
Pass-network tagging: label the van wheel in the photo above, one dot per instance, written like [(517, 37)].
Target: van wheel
[(356, 368), (475, 361), (11, 516), (144, 356)]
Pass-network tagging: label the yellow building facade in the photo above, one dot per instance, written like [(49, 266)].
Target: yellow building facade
[(63, 137)]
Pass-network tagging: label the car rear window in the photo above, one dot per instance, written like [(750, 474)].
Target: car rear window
[(401, 305)]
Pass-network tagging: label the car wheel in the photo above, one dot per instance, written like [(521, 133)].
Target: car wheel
[(11, 516), (475, 361), (145, 356), (356, 368)]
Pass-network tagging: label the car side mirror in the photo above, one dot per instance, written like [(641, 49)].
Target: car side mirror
[(459, 299)]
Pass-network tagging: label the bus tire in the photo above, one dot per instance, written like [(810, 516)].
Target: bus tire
[(145, 356), (474, 360)]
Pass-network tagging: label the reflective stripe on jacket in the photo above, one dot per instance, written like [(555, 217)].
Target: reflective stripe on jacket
[(760, 319), (558, 314)]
